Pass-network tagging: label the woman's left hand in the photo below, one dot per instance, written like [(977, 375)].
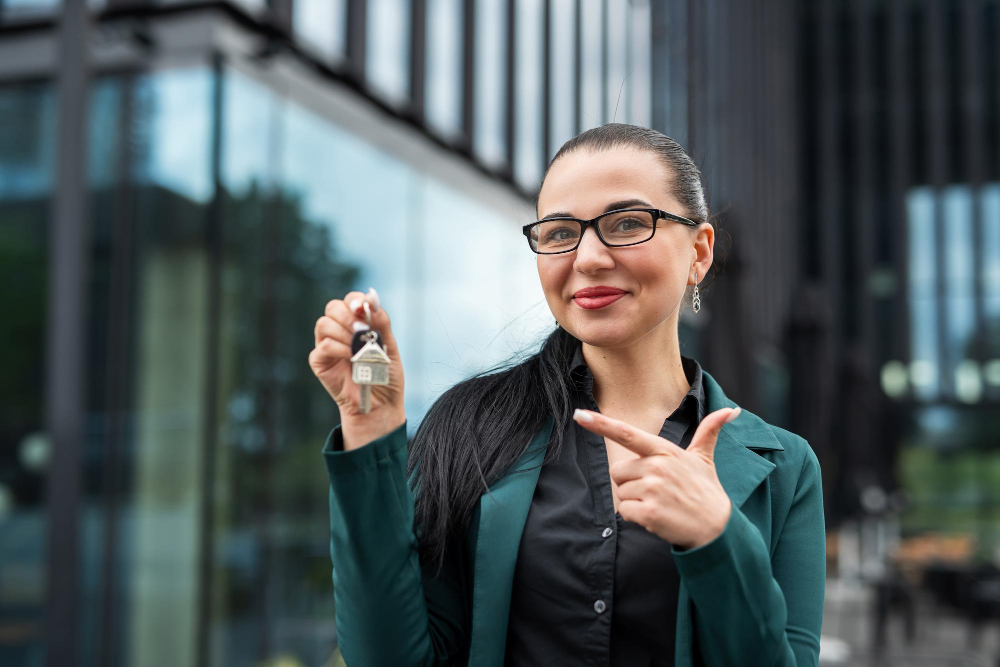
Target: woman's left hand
[(672, 492)]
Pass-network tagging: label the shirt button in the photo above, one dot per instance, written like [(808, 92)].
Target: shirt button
[(599, 606), (607, 531)]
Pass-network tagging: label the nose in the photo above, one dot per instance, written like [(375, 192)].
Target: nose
[(592, 253)]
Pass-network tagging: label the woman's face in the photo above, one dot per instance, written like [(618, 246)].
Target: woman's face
[(654, 274)]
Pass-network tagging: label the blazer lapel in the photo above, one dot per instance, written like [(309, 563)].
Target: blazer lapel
[(503, 511), (740, 472)]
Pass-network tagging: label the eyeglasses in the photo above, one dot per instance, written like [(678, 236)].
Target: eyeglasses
[(624, 227)]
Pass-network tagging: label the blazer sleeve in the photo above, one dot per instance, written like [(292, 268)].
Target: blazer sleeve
[(751, 604), (389, 610)]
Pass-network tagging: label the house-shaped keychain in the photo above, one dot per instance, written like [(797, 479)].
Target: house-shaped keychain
[(370, 365)]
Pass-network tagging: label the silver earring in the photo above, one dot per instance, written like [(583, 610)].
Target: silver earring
[(696, 299)]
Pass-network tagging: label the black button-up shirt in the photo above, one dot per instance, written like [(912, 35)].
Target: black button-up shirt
[(589, 587)]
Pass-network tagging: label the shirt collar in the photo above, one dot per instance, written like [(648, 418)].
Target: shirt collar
[(694, 400)]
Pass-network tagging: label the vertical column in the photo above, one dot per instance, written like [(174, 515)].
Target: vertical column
[(65, 346)]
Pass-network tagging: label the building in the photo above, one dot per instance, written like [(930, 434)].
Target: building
[(185, 184)]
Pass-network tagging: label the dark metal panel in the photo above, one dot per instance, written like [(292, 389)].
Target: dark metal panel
[(418, 59), (577, 68), (281, 15), (546, 85), (900, 41), (469, 74), (604, 63), (356, 36), (659, 68), (214, 235), (863, 220), (69, 274), (511, 86)]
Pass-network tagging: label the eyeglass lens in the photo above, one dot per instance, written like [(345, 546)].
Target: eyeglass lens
[(624, 228)]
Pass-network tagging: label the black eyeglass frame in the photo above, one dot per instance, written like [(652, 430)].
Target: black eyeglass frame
[(657, 213)]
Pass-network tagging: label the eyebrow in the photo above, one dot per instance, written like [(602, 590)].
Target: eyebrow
[(613, 206)]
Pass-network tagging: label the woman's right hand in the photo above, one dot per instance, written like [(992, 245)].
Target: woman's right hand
[(330, 361)]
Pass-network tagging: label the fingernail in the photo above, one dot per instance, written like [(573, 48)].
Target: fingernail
[(355, 304), (733, 415), (373, 299), (583, 415), (360, 326)]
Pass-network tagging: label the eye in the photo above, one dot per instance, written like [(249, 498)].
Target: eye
[(560, 234)]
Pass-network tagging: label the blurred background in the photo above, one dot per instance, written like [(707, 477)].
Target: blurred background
[(184, 185)]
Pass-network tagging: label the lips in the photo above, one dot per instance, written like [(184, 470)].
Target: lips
[(600, 290), (602, 297)]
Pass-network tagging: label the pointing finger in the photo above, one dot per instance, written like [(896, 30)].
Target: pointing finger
[(634, 439)]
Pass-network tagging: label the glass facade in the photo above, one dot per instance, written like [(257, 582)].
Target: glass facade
[(953, 259), (225, 216), (225, 213), (27, 159)]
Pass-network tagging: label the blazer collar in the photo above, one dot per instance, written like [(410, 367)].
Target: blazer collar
[(503, 511)]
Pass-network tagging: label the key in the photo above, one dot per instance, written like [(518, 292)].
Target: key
[(369, 362)]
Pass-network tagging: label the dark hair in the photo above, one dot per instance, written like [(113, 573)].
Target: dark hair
[(481, 426)]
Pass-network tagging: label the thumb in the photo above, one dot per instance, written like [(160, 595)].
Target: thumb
[(707, 435)]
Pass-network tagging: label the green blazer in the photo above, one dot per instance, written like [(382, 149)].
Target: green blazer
[(752, 596)]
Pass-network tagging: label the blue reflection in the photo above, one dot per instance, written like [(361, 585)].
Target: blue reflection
[(923, 298), (174, 132), (960, 308), (387, 47), (27, 142), (444, 66)]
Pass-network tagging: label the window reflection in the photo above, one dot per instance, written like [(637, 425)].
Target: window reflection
[(591, 62), (529, 152), (617, 30), (640, 95), (322, 25), (490, 88), (946, 294), (923, 301), (444, 66), (387, 48), (26, 176), (307, 212), (563, 74)]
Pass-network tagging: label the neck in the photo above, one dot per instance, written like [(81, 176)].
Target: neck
[(643, 376)]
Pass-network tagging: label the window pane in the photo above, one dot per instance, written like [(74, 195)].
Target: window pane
[(491, 85), (529, 154), (387, 48), (444, 66), (617, 27), (639, 78), (26, 180), (959, 311), (563, 75), (924, 344), (150, 326), (592, 57), (322, 25)]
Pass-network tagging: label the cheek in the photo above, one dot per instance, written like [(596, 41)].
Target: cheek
[(551, 276)]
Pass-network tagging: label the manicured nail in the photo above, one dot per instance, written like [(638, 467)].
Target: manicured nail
[(733, 415), (360, 326), (583, 415), (355, 305), (373, 299)]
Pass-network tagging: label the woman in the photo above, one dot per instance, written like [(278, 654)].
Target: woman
[(549, 513)]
